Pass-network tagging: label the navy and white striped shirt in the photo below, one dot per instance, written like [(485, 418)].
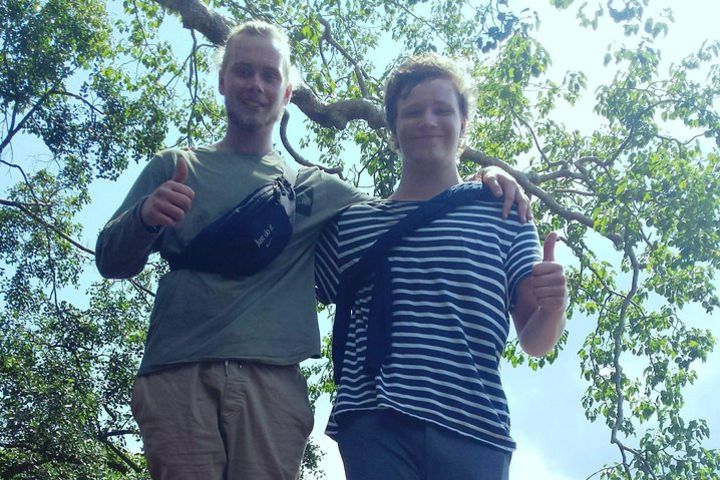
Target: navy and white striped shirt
[(453, 283)]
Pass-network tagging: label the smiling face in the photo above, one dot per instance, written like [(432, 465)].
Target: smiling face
[(254, 82), (429, 124)]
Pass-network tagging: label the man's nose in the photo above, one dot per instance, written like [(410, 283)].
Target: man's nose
[(256, 82), (428, 118)]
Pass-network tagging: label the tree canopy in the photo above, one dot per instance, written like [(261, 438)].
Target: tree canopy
[(101, 85)]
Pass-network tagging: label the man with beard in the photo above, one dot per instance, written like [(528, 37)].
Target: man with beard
[(219, 394)]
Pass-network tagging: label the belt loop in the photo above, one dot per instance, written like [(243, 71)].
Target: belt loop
[(227, 363)]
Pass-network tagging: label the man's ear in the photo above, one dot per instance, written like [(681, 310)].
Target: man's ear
[(463, 125), (394, 144), (288, 94), (221, 83)]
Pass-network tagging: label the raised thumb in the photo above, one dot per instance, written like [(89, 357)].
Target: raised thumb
[(181, 171), (549, 247)]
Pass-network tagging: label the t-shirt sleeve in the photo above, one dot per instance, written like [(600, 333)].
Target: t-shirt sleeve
[(327, 269), (524, 252), (340, 194)]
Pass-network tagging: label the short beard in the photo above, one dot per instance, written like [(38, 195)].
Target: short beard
[(243, 124)]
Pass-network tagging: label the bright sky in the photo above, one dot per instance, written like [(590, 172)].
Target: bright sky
[(555, 441)]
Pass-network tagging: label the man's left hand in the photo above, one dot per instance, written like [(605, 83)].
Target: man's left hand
[(548, 279), (502, 184)]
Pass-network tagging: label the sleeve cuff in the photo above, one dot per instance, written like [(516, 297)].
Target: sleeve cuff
[(148, 228)]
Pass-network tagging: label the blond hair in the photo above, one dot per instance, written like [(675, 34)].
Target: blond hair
[(260, 28)]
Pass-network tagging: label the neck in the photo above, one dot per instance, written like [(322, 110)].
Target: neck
[(416, 184), (236, 140)]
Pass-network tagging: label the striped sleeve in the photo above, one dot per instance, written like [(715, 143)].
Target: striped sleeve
[(327, 271), (524, 252)]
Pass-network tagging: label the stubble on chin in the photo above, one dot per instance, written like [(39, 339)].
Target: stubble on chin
[(244, 124), (253, 123)]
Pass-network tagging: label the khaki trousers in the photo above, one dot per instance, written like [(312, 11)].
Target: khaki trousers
[(223, 421)]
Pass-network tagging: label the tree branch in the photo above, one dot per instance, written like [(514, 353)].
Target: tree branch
[(192, 85), (538, 147), (196, 15), (80, 99), (123, 456), (14, 129), (359, 72), (339, 114), (617, 351), (561, 173), (117, 433), (299, 158), (23, 208), (532, 189)]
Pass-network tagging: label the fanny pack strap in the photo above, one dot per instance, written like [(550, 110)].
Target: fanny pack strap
[(374, 260), (291, 176)]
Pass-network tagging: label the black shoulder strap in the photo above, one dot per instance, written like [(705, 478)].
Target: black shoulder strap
[(374, 260)]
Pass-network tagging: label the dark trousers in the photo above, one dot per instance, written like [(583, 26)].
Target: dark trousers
[(386, 445)]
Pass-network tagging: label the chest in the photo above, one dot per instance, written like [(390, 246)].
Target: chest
[(220, 187), (466, 239)]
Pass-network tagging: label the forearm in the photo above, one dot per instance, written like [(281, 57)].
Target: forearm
[(542, 331), (124, 245)]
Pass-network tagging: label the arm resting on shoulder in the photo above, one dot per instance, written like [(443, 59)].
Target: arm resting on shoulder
[(504, 185)]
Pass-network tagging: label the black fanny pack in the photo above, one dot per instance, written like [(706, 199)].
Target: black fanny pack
[(248, 237)]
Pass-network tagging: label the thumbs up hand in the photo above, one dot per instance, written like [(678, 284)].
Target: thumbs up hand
[(548, 279), (168, 203), (181, 171)]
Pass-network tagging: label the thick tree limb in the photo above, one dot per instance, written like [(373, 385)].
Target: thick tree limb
[(338, 114), (196, 16), (296, 155), (122, 455)]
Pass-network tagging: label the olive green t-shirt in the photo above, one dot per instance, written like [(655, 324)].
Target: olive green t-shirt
[(269, 317)]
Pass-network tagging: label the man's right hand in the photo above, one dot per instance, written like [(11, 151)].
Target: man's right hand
[(167, 205)]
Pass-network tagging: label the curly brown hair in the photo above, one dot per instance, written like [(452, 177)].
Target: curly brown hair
[(420, 68)]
